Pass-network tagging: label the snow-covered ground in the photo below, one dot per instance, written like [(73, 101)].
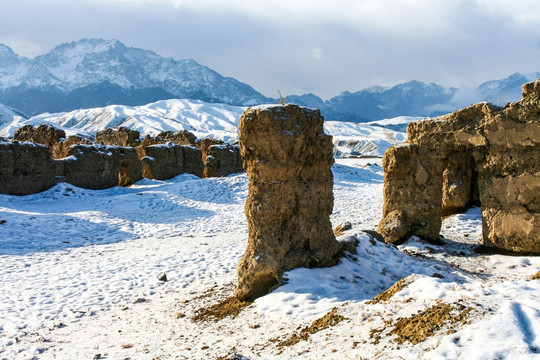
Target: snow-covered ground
[(79, 275)]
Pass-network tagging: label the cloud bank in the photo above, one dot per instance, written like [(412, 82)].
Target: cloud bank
[(323, 47)]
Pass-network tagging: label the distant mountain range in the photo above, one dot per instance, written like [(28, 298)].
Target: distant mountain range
[(413, 98), (95, 73)]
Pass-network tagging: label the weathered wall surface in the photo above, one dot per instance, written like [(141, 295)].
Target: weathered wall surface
[(119, 136), (481, 154), (123, 159), (25, 168), (222, 160), (101, 167), (44, 134), (193, 163), (414, 179), (161, 162), (61, 149), (288, 159), (182, 137)]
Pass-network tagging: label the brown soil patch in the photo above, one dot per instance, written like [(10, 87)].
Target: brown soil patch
[(388, 293), (228, 307), (419, 327), (536, 276), (328, 320)]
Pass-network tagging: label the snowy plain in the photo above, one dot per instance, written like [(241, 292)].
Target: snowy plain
[(79, 275)]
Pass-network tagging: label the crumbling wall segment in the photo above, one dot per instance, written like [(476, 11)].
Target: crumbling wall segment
[(288, 160), (485, 154), (25, 168)]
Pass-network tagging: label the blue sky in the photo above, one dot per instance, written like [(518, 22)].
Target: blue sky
[(300, 46)]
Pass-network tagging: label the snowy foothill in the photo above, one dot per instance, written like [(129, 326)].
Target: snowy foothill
[(204, 119), (80, 270)]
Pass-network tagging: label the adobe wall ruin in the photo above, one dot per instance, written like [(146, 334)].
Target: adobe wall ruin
[(25, 168), (288, 159), (100, 167), (221, 160), (182, 137), (119, 136), (161, 162), (483, 155), (42, 134), (80, 162)]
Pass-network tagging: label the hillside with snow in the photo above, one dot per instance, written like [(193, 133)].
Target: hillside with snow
[(9, 116), (210, 120)]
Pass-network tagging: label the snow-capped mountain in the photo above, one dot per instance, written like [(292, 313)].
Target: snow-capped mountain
[(413, 98), (95, 72), (506, 90)]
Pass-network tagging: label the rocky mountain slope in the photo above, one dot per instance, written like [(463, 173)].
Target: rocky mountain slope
[(414, 98), (95, 72)]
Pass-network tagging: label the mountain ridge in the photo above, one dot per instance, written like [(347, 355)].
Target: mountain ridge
[(56, 81), (94, 73)]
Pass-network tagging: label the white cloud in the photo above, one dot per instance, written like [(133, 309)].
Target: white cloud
[(316, 53), (265, 43)]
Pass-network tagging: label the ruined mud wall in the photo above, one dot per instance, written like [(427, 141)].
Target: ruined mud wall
[(182, 137), (481, 154), (101, 167), (61, 149), (118, 162), (288, 160), (119, 136), (161, 162), (25, 168), (44, 134), (222, 160)]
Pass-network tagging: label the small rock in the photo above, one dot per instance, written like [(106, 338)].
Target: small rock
[(97, 356), (138, 301), (437, 275), (341, 228), (178, 315), (2, 222), (162, 277)]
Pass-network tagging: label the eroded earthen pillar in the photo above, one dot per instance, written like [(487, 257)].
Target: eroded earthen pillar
[(413, 184), (288, 159)]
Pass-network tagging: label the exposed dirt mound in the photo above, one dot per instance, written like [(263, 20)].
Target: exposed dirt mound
[(419, 327), (228, 307), (328, 320), (388, 293)]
